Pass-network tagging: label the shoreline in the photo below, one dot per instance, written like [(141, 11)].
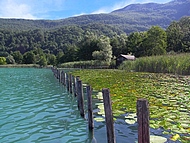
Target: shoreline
[(24, 66)]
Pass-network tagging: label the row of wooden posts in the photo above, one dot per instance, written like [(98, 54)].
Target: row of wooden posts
[(74, 86)]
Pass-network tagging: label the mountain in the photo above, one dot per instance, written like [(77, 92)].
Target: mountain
[(134, 17), (173, 10)]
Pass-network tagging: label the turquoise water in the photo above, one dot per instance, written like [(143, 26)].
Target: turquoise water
[(35, 108)]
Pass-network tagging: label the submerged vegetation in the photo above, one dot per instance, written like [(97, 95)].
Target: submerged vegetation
[(168, 96)]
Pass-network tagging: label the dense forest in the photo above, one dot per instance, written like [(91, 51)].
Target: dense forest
[(73, 43)]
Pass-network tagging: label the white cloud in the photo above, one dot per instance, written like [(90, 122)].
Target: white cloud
[(118, 5), (79, 14), (11, 9), (28, 9)]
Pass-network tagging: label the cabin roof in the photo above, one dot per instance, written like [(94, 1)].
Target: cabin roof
[(129, 57)]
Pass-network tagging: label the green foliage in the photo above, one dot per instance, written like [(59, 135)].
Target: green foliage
[(10, 59), (178, 34), (2, 60), (78, 43), (29, 58), (18, 57), (155, 42), (87, 46), (105, 53), (51, 59), (176, 64), (43, 61), (119, 45)]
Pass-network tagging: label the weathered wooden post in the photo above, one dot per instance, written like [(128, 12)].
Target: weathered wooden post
[(64, 78), (56, 73), (143, 121), (70, 83), (59, 75), (90, 109), (108, 116), (76, 87), (67, 81), (91, 137), (80, 98), (62, 74)]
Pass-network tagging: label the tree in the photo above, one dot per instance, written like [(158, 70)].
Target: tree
[(87, 46), (105, 53), (10, 59), (2, 60), (178, 35), (51, 59), (59, 57), (119, 44), (17, 56), (156, 42), (134, 43), (174, 37), (70, 54), (29, 58), (43, 61)]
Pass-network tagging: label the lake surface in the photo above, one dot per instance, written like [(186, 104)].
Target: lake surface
[(35, 108)]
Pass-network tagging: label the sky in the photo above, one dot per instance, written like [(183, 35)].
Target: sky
[(60, 9)]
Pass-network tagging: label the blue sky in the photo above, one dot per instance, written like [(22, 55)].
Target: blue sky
[(59, 9)]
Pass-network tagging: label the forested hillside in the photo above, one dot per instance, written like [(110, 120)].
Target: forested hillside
[(134, 17), (73, 43)]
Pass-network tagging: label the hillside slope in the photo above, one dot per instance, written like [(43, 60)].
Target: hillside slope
[(134, 17)]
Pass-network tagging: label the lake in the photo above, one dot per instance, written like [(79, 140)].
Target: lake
[(35, 108)]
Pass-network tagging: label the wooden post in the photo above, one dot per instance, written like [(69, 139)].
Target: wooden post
[(67, 81), (76, 87), (70, 83), (108, 116), (90, 109), (91, 137), (64, 75), (143, 121), (59, 72), (80, 98)]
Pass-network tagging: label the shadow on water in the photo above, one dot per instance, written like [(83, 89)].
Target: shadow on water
[(91, 137)]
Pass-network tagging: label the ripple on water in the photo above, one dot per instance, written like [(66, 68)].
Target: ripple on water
[(35, 109)]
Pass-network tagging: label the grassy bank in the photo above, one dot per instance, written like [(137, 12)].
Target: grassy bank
[(85, 64), (175, 64), (168, 96)]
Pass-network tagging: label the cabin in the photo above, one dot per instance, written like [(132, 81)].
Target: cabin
[(122, 58)]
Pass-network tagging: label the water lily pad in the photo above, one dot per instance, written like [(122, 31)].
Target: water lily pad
[(175, 137), (131, 118), (101, 109), (157, 139), (130, 121), (99, 96), (99, 119)]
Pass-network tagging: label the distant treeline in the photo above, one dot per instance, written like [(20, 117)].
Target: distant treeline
[(103, 43)]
